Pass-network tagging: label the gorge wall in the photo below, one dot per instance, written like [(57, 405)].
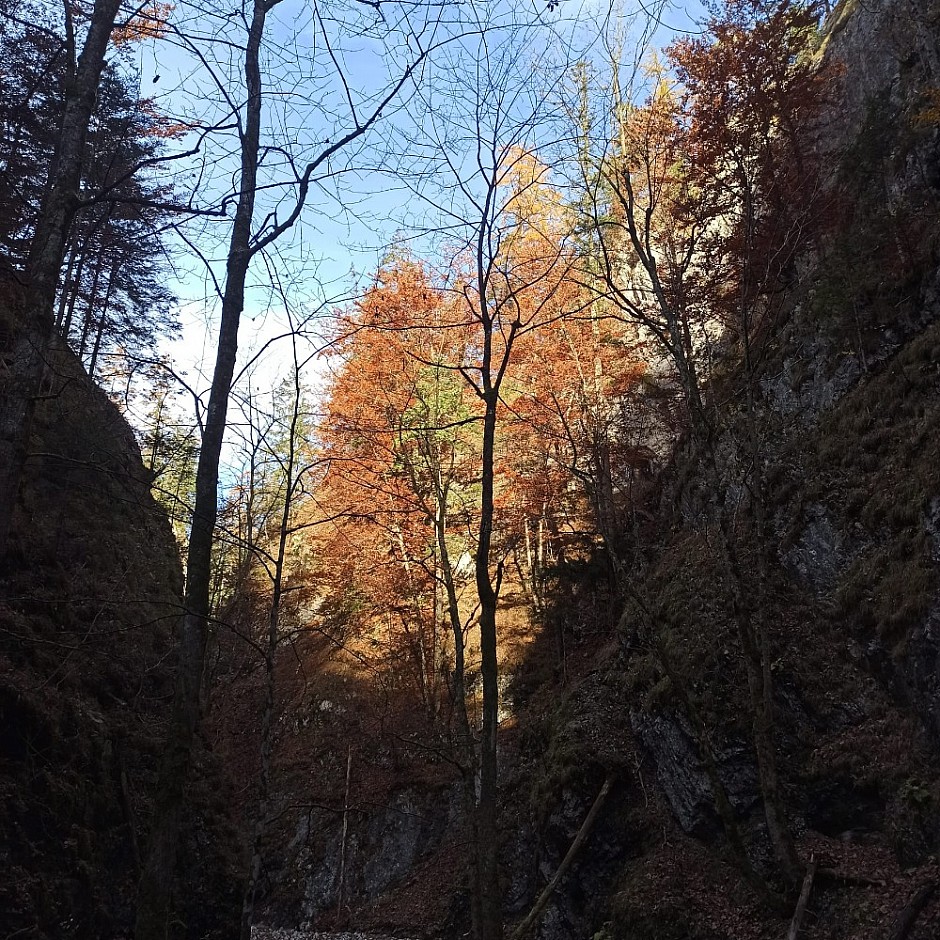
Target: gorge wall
[(90, 598)]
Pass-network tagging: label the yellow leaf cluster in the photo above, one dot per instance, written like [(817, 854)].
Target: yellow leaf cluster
[(149, 23)]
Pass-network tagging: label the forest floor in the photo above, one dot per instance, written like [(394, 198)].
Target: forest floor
[(281, 933)]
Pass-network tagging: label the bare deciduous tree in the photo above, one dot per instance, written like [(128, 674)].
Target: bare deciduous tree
[(412, 33), (508, 267)]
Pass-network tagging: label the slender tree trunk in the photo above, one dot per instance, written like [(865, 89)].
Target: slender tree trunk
[(416, 642), (529, 558), (709, 759), (155, 889), (99, 333), (65, 291), (73, 292), (466, 754), (441, 663), (72, 302), (755, 647), (340, 891), (102, 322), (267, 715), (264, 778), (90, 309), (532, 918), (777, 826), (32, 335), (434, 653), (533, 578), (540, 548), (490, 926)]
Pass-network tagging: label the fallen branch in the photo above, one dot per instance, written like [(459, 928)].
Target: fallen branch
[(911, 911), (533, 916), (847, 878), (805, 892)]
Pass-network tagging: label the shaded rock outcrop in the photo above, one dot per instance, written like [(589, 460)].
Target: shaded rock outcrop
[(89, 597)]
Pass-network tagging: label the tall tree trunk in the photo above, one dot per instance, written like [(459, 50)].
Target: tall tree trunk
[(755, 652), (765, 721), (99, 333), (464, 744), (530, 577), (344, 841), (270, 663), (416, 642), (709, 758), (65, 291), (490, 926), (73, 289), (32, 335), (90, 309), (102, 320), (264, 781), (155, 889)]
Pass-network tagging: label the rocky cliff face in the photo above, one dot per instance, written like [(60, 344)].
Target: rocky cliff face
[(89, 599), (850, 426)]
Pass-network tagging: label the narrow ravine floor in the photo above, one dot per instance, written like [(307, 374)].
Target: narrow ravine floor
[(285, 933)]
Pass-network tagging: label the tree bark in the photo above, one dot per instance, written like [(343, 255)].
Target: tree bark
[(155, 889), (90, 309), (465, 745), (32, 335), (340, 891), (463, 736), (102, 322), (490, 926), (416, 642), (66, 291), (267, 717)]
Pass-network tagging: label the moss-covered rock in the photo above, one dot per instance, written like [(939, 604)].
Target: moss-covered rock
[(88, 603)]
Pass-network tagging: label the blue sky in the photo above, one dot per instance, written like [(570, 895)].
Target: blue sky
[(350, 218)]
